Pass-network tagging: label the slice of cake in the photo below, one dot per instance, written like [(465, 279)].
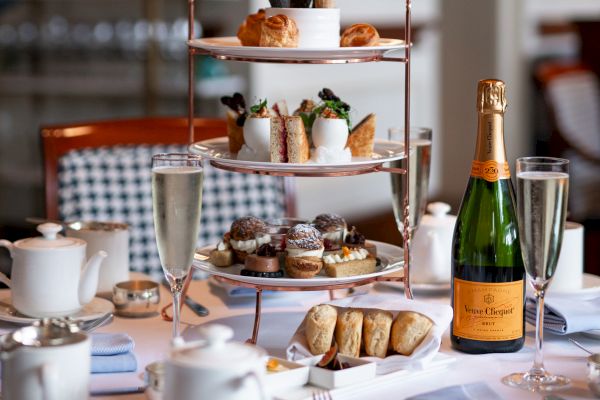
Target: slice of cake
[(289, 142), (362, 137), (349, 262)]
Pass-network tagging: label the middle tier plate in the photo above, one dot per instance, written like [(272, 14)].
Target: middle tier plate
[(391, 260), (217, 151)]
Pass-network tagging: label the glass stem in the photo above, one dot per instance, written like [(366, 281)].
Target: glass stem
[(176, 289), (538, 362)]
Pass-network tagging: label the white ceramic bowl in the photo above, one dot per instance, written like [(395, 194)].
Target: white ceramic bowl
[(318, 27), (331, 133), (257, 134)]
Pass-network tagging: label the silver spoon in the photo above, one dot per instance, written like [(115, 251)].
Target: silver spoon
[(576, 343)]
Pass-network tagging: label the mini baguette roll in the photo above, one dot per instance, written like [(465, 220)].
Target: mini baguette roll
[(376, 332), (320, 326), (348, 332), (408, 331)]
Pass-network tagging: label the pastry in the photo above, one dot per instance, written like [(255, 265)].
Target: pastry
[(408, 331), (222, 255), (320, 325), (333, 228), (376, 332), (362, 137), (279, 31), (243, 236), (250, 30), (236, 117), (289, 142), (349, 262), (359, 35), (264, 263), (348, 332), (304, 251), (356, 239)]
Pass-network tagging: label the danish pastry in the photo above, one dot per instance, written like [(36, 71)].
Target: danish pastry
[(250, 30), (279, 31), (359, 35)]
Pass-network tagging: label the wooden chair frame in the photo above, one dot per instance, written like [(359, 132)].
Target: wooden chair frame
[(59, 139)]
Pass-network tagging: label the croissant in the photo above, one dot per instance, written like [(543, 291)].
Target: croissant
[(279, 31), (359, 35), (249, 32)]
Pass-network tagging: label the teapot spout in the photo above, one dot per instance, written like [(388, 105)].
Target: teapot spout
[(88, 283)]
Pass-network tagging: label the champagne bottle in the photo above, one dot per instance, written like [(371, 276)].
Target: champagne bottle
[(488, 278)]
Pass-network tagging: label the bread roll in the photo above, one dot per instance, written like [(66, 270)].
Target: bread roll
[(279, 31), (348, 332), (320, 325), (376, 332), (408, 331), (250, 30), (359, 35)]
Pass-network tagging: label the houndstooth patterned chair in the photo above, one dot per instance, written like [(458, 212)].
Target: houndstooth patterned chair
[(113, 183)]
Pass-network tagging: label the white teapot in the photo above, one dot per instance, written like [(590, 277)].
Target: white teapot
[(49, 275), (49, 360), (214, 368), (432, 246)]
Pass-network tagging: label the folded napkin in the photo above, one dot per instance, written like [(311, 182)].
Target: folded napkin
[(470, 391), (440, 314), (564, 314), (112, 352)]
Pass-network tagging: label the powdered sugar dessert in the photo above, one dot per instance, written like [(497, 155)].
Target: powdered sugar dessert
[(304, 251)]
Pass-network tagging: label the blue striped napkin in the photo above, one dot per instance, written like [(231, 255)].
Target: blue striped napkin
[(112, 352)]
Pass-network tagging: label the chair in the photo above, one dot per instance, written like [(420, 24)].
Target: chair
[(101, 171), (572, 96)]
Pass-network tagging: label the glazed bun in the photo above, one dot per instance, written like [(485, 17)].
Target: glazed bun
[(305, 237), (359, 35), (250, 30)]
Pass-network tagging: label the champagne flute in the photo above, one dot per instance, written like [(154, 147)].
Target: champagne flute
[(177, 203), (418, 180), (542, 191)]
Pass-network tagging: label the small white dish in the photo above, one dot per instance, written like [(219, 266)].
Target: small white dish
[(92, 310), (331, 133), (294, 375), (360, 371), (317, 27)]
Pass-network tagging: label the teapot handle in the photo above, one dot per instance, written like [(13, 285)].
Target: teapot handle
[(3, 278), (49, 381), (261, 391)]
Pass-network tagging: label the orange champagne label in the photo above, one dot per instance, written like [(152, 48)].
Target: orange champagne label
[(490, 170), (488, 311)]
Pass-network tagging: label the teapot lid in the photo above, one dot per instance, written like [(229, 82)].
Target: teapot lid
[(48, 332), (438, 215), (50, 239), (216, 351)]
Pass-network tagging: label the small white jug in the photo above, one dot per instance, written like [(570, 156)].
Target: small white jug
[(49, 360), (215, 368)]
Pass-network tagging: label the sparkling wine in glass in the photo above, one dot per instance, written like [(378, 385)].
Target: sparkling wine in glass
[(177, 204), (418, 180), (542, 191)]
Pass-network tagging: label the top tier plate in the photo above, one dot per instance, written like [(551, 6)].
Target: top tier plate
[(229, 48), (217, 151)]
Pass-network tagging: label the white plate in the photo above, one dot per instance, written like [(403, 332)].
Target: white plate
[(93, 310), (218, 150), (230, 46), (391, 261)]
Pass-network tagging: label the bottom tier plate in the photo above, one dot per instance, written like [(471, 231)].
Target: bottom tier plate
[(391, 257)]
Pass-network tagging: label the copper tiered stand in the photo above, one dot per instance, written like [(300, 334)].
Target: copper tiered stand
[(193, 50)]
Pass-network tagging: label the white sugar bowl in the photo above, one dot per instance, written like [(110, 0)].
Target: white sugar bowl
[(432, 246), (215, 368)]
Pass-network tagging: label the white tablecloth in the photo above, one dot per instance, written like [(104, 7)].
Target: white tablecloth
[(282, 314)]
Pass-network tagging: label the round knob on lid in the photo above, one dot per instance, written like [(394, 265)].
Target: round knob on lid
[(438, 209), (49, 230), (215, 335)]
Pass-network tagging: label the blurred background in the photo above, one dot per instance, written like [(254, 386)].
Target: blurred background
[(64, 61)]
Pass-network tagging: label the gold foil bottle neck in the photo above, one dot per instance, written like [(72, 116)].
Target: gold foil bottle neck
[(491, 96)]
